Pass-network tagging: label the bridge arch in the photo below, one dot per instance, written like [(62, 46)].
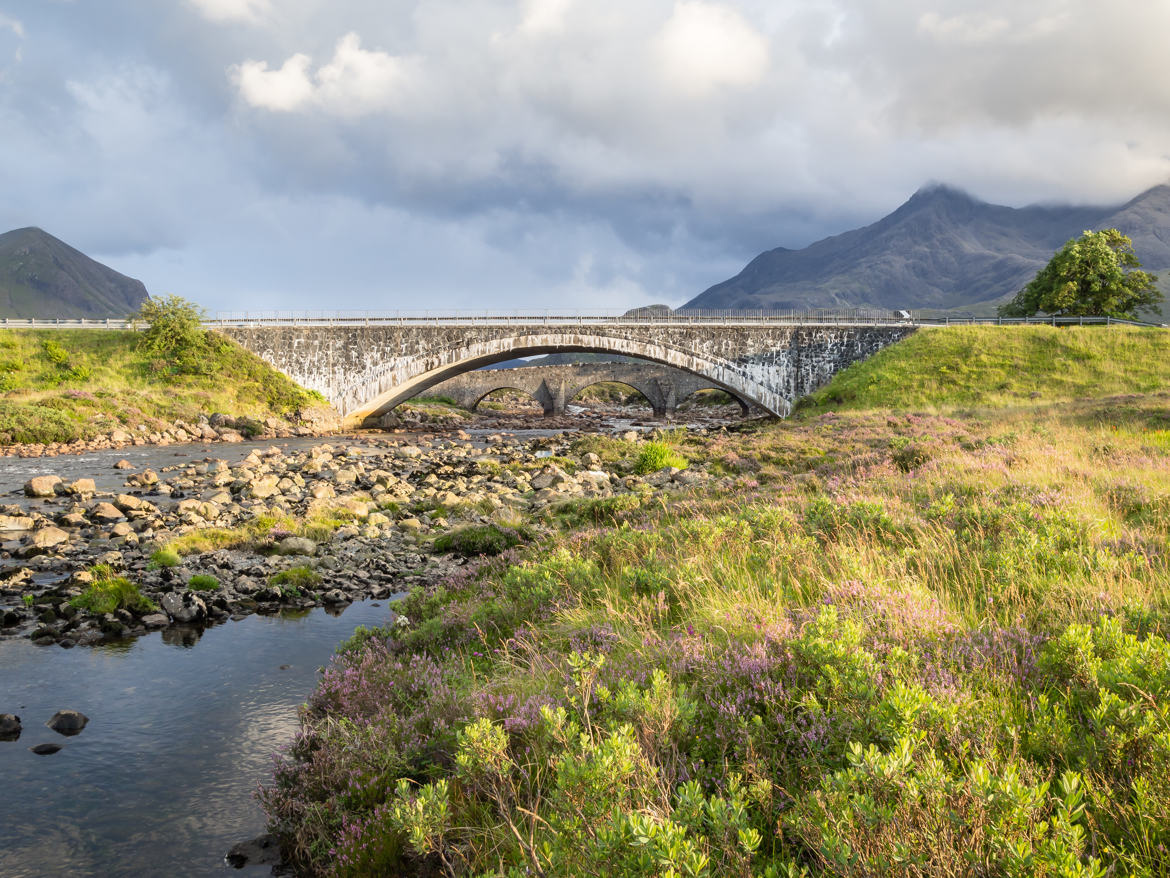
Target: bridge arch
[(744, 406), (575, 390), (381, 389), (473, 401)]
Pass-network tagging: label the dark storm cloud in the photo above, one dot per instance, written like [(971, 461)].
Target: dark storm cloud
[(515, 153)]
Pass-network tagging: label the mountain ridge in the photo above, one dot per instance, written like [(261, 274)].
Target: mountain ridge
[(942, 249), (43, 277)]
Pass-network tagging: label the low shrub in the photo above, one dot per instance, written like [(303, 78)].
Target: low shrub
[(487, 539), (297, 578), (164, 557), (657, 455)]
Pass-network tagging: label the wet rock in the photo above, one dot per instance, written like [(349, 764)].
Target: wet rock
[(261, 851), (68, 722), (9, 727), (335, 596), (42, 486), (184, 607), (156, 620), (45, 749), (120, 436)]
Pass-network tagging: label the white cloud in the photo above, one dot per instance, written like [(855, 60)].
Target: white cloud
[(233, 10), (284, 90), (707, 46), (12, 24), (355, 82)]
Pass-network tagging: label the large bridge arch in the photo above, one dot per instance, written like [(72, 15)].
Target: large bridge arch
[(372, 395)]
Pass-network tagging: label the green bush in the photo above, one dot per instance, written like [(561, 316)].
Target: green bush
[(203, 582), (295, 579), (488, 539), (658, 455), (165, 557), (108, 593)]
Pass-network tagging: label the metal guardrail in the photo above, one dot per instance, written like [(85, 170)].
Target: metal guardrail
[(550, 318)]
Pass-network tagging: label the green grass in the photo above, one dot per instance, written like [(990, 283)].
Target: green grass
[(203, 582), (108, 593), (295, 579), (656, 455), (63, 385), (956, 367), (165, 557)]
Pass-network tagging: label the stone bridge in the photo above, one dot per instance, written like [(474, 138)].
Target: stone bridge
[(555, 386), (366, 368)]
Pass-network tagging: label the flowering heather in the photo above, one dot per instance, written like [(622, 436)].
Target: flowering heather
[(874, 644)]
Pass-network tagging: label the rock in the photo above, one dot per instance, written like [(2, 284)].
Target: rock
[(105, 513), (81, 486), (335, 596), (42, 486), (123, 464), (263, 850), (184, 607), (48, 538), (68, 722), (156, 620), (9, 727), (296, 546), (45, 749), (410, 524), (263, 487), (15, 522), (410, 451), (121, 436)]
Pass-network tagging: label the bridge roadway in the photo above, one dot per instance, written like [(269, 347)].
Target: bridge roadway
[(556, 386), (367, 367)]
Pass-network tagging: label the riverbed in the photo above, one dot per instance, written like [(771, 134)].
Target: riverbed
[(182, 729)]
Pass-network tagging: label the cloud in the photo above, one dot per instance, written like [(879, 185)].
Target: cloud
[(353, 83), (12, 24), (284, 90), (706, 46), (233, 10)]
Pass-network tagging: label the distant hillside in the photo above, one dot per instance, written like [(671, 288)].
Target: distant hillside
[(41, 276), (941, 250)]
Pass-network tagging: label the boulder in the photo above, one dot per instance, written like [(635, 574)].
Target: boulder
[(42, 486), (45, 749), (123, 464), (48, 538), (68, 722), (296, 546), (81, 486), (184, 607), (9, 727), (120, 436), (15, 522), (105, 513)]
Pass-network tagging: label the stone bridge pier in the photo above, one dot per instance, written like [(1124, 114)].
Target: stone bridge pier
[(366, 368), (554, 387)]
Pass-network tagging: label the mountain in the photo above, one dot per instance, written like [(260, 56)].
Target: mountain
[(941, 250), (43, 277)]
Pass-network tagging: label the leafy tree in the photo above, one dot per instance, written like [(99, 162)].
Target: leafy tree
[(174, 334), (1095, 275)]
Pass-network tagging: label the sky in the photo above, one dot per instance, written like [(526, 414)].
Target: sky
[(576, 155)]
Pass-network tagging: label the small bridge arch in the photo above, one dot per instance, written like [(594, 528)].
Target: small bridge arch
[(554, 387)]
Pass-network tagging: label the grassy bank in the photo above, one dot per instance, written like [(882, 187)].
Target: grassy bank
[(62, 385), (979, 366), (889, 644)]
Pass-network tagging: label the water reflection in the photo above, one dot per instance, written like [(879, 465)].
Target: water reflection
[(160, 781)]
